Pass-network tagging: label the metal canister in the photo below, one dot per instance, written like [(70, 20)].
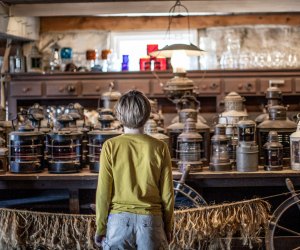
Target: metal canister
[(247, 149), (273, 152)]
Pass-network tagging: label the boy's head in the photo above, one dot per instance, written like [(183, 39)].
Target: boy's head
[(133, 109)]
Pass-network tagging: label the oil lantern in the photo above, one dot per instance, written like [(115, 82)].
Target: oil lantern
[(273, 151), (98, 136), (63, 147), (150, 128), (284, 127), (25, 150), (295, 148), (175, 129), (189, 147), (111, 97), (234, 109), (219, 160)]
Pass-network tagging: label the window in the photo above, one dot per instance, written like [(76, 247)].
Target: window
[(134, 44)]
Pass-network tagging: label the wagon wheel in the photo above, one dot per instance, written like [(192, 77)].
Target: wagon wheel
[(185, 196), (281, 225)]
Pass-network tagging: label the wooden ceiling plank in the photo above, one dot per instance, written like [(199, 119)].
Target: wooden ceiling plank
[(160, 7)]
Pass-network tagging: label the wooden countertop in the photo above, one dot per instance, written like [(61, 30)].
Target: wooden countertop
[(205, 178)]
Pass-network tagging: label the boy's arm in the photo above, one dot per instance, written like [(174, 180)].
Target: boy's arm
[(104, 190), (167, 192)]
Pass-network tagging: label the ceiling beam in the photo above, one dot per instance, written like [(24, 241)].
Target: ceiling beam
[(63, 24), (158, 7)]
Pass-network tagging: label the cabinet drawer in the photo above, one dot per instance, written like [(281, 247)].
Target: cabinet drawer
[(157, 87), (286, 85), (62, 88), (206, 86), (297, 83), (26, 88), (95, 87), (141, 85), (241, 85)]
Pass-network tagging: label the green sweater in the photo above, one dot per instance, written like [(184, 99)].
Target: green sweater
[(136, 177)]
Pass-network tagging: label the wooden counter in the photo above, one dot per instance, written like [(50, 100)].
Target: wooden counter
[(87, 180)]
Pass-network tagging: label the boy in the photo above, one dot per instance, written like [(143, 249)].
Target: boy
[(135, 198)]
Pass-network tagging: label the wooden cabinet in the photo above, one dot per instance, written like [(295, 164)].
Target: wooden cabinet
[(240, 85), (211, 87)]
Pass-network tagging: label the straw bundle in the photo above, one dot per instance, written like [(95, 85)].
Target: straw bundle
[(194, 228), (214, 226)]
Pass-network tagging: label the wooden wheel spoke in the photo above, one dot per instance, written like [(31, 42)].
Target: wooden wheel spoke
[(288, 230)]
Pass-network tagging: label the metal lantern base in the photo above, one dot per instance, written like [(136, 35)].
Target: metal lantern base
[(273, 168), (193, 166), (63, 167), (220, 166), (94, 166), (25, 167)]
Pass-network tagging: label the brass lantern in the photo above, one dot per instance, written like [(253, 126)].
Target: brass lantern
[(189, 147), (247, 149), (150, 128), (219, 160), (295, 148), (111, 97), (175, 129), (273, 151), (96, 138), (234, 109), (274, 97), (278, 122)]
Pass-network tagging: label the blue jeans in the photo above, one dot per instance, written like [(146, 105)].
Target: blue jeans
[(135, 231)]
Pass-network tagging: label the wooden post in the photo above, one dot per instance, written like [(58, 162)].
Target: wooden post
[(74, 201)]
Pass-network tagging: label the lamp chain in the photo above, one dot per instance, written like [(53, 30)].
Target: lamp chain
[(172, 11)]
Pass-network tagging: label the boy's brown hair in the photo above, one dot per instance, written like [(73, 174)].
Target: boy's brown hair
[(133, 109)]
